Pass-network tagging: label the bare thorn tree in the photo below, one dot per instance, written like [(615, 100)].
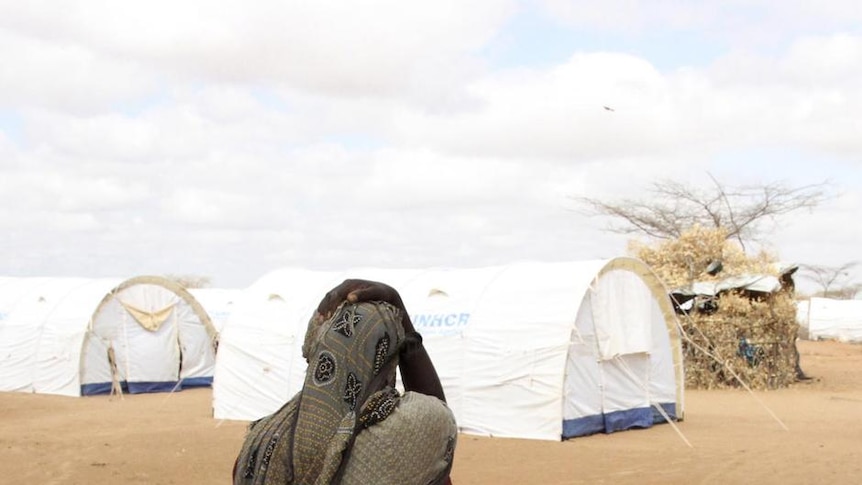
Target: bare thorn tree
[(672, 207), (833, 281)]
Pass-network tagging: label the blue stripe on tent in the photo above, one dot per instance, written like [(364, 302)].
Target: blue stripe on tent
[(669, 408), (628, 419), (205, 381), (583, 426), (97, 388), (616, 421), (144, 387)]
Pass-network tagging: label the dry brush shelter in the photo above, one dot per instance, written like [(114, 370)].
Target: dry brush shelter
[(739, 330), (77, 336), (526, 350)]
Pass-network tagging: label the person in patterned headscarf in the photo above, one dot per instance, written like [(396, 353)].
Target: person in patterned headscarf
[(349, 424)]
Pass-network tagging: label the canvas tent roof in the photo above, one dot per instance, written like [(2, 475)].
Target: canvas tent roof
[(55, 334), (530, 350)]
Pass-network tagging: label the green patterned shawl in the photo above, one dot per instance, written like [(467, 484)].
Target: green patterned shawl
[(348, 424)]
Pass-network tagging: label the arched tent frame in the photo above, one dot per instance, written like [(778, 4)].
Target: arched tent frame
[(659, 292), (184, 348), (500, 337), (173, 286)]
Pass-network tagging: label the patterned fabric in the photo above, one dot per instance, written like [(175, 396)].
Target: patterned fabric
[(265, 457), (348, 354), (348, 408), (413, 445), (378, 407)]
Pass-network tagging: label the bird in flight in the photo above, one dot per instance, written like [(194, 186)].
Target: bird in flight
[(608, 108)]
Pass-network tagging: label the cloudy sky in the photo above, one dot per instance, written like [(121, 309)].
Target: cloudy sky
[(227, 138)]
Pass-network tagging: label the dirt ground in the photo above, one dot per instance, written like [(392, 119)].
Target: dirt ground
[(172, 439)]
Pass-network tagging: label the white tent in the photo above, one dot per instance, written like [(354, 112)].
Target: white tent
[(55, 334), (43, 322), (826, 318), (529, 350), (161, 338)]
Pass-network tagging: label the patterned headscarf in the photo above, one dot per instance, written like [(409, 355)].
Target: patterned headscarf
[(348, 385)]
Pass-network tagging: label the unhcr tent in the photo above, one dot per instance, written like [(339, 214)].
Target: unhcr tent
[(151, 335), (43, 322), (829, 319), (55, 336), (527, 350)]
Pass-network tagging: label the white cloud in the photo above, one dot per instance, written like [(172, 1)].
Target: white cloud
[(370, 48), (228, 139), (41, 73), (804, 98), (628, 15), (740, 100), (560, 113), (740, 23)]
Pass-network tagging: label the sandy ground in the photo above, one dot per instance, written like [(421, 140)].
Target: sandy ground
[(172, 439)]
